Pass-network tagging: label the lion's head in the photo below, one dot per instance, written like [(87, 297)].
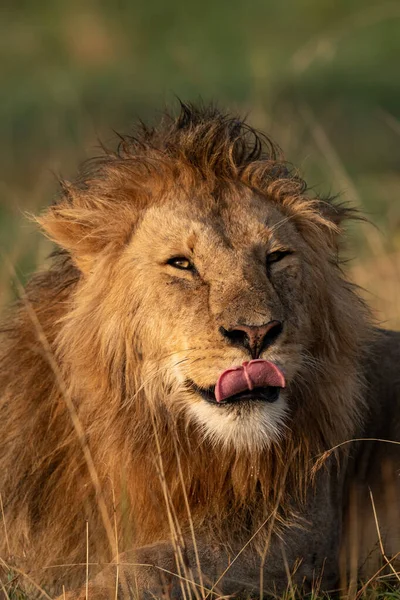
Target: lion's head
[(199, 250)]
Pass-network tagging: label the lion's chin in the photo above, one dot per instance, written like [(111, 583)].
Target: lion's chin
[(248, 425)]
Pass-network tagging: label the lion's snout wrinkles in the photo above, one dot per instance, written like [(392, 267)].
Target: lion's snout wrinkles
[(189, 251), (249, 296)]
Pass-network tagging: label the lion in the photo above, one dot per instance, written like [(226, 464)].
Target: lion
[(192, 393)]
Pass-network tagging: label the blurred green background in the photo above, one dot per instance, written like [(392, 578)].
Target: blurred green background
[(321, 77)]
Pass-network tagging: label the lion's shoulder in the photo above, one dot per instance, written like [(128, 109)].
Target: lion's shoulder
[(381, 365), (382, 391)]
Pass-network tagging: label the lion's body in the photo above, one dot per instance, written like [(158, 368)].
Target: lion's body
[(105, 445)]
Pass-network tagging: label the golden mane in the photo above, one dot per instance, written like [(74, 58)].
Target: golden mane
[(48, 485)]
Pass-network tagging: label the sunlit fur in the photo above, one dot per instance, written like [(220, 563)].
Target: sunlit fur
[(127, 331)]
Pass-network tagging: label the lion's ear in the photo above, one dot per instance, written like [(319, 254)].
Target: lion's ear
[(82, 225), (70, 229)]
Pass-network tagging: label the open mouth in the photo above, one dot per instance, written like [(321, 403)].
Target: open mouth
[(262, 394), (257, 379)]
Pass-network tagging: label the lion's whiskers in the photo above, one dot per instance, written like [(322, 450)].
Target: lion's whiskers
[(155, 374)]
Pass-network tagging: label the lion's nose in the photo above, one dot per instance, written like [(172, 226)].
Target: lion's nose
[(255, 338)]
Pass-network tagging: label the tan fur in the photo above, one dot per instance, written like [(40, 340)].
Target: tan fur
[(127, 330)]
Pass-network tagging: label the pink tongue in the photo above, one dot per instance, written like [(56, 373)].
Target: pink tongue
[(256, 373)]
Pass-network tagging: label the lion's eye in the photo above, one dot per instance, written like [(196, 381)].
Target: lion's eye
[(180, 262), (276, 256)]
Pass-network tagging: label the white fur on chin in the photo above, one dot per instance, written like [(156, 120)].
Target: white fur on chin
[(254, 428)]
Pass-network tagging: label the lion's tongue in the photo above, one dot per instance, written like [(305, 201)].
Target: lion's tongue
[(256, 373)]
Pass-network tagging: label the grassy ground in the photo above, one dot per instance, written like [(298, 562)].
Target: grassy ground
[(385, 588)]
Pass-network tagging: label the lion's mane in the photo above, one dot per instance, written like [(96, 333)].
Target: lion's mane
[(82, 437)]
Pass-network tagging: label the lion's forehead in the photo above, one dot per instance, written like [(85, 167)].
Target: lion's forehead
[(236, 225)]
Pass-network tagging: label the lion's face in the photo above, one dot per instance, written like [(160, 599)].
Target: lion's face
[(199, 251), (203, 279)]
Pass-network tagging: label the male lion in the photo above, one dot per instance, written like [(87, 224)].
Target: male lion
[(168, 384)]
